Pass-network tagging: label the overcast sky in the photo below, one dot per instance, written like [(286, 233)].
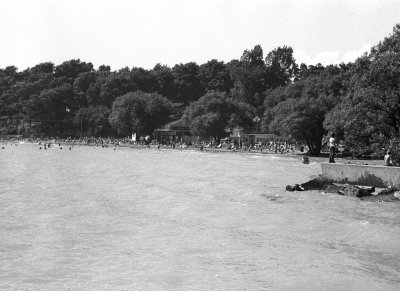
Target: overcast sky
[(143, 33)]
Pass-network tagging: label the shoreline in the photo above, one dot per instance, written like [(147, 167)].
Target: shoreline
[(323, 157)]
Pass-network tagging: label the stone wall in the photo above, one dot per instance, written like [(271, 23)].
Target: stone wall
[(368, 175)]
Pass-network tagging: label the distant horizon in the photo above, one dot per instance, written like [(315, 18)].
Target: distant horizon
[(143, 34)]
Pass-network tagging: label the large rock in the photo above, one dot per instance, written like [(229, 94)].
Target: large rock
[(356, 191), (322, 183), (350, 190), (390, 194), (318, 183), (332, 188), (390, 190)]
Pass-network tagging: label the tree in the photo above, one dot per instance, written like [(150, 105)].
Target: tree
[(93, 92), (93, 119), (369, 115), (214, 76), (311, 70), (187, 83), (248, 76), (104, 68), (83, 82), (302, 120), (141, 79), (281, 67), (139, 112), (300, 110), (163, 81), (116, 84), (214, 113), (48, 109), (35, 73), (72, 68), (8, 77)]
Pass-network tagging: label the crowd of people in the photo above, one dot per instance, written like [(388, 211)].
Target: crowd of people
[(226, 145), (145, 142)]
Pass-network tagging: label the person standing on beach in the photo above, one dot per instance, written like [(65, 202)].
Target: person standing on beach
[(388, 159), (332, 148)]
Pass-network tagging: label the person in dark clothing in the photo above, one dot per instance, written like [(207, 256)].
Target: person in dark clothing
[(332, 148)]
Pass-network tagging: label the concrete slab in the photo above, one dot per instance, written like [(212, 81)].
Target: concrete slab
[(368, 175)]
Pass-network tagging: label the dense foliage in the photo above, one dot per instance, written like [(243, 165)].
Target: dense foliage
[(215, 113), (369, 115), (358, 101), (139, 113)]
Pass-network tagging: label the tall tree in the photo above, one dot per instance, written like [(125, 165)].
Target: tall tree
[(116, 84), (163, 81), (93, 120), (187, 83), (83, 82), (281, 67), (370, 112), (141, 79), (139, 112), (214, 113), (35, 73), (72, 68), (300, 109), (249, 76), (214, 76)]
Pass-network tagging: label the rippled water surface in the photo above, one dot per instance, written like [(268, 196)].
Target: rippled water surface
[(99, 219)]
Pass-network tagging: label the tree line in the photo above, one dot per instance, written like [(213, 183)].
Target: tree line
[(359, 101)]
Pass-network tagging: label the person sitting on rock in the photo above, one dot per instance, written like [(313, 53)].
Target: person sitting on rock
[(388, 159)]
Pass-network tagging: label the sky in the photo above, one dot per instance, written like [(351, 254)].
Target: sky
[(123, 33)]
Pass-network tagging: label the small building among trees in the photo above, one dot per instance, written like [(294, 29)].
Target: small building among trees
[(249, 137), (175, 131)]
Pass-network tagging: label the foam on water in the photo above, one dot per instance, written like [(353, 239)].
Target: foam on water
[(99, 219)]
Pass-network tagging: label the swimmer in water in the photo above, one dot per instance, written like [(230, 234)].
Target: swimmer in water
[(305, 160)]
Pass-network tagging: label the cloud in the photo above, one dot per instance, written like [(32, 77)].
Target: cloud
[(331, 57), (353, 55), (325, 58)]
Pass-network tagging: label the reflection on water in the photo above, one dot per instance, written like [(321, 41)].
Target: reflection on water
[(99, 219)]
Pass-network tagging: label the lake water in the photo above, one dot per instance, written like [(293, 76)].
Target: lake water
[(99, 219)]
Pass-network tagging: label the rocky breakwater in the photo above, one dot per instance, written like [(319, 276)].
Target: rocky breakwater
[(367, 193)]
